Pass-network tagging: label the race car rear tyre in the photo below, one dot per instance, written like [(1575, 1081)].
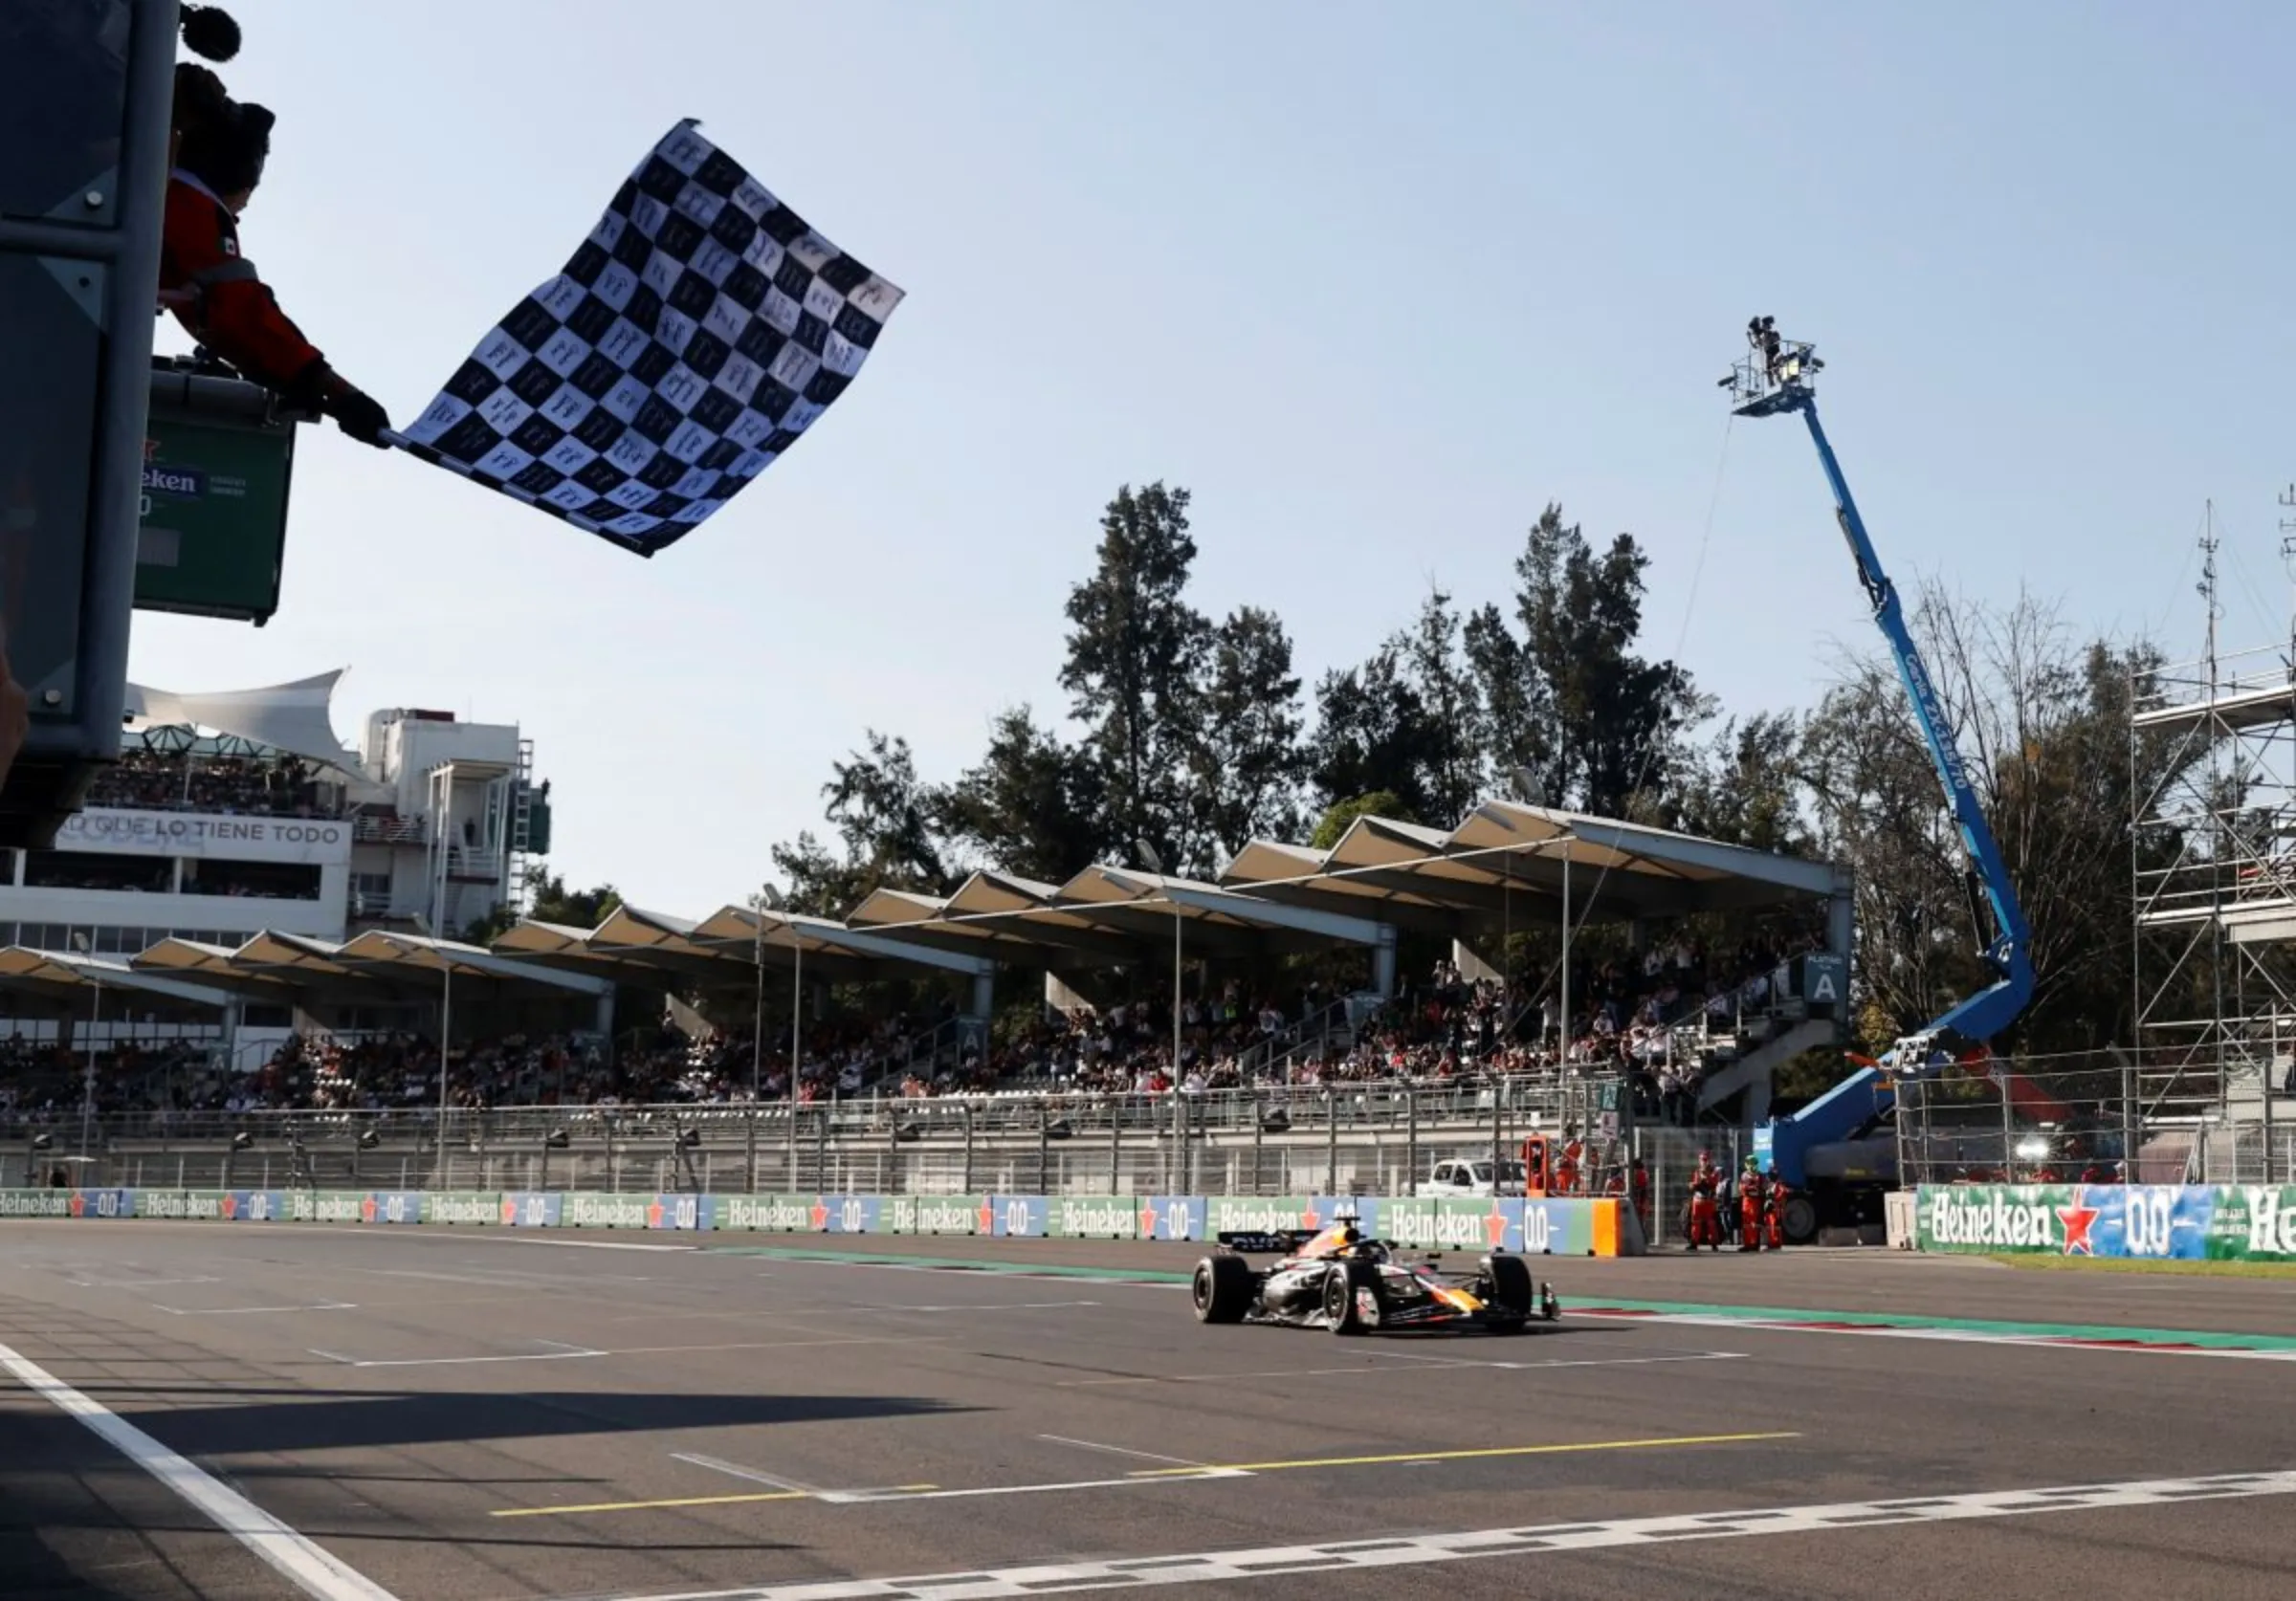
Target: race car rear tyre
[(1512, 1290), (1339, 1290), (1222, 1289)]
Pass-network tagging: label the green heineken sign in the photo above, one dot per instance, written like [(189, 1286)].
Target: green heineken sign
[(213, 534)]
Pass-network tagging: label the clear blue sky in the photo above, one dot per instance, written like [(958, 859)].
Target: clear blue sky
[(1375, 281)]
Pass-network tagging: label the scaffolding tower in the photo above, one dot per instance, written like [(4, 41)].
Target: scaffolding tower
[(2213, 863)]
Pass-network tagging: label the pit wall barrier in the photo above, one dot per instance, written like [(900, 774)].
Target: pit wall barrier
[(1576, 1226), (2185, 1222)]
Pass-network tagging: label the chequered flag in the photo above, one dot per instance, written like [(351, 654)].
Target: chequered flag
[(692, 340)]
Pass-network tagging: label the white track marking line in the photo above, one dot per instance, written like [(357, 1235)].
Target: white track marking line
[(568, 1353), (250, 1312), (312, 1570), (860, 1497), (977, 1307), (1410, 1551), (782, 1345), (1957, 1336), (564, 1353), (1121, 1451), (1398, 1372), (139, 1284), (570, 1244), (758, 1475)]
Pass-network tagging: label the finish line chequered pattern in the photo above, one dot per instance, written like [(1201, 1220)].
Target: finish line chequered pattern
[(1055, 1578), (697, 333)]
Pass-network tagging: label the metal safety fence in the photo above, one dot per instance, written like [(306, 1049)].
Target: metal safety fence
[(1368, 1137)]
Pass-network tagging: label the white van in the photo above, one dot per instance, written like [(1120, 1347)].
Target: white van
[(1468, 1178)]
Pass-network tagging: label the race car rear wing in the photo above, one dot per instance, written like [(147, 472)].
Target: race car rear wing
[(1282, 1242)]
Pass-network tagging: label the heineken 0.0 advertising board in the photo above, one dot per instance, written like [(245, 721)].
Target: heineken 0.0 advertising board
[(215, 526), (2223, 1222)]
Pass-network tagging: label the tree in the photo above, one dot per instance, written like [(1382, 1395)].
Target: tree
[(1034, 807), (1745, 788), (2042, 721), (548, 900), (1371, 734), (1244, 768), (1450, 709), (1594, 724), (1408, 721), (885, 815), (1135, 651), (1339, 817)]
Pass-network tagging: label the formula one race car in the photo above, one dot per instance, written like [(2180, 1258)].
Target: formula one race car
[(1340, 1280)]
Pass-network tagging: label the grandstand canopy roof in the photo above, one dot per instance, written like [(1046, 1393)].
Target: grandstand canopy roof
[(1508, 860), (277, 965), (1105, 914), (1502, 861), (68, 979), (632, 943), (292, 718)]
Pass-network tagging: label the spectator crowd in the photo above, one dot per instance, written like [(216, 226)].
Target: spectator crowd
[(1659, 1019), (151, 778)]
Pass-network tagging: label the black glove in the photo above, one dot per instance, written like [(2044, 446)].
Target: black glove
[(359, 414)]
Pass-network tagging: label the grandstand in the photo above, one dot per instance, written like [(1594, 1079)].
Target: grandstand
[(236, 818), (554, 1016)]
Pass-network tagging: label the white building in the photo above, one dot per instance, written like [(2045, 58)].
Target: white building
[(232, 814)]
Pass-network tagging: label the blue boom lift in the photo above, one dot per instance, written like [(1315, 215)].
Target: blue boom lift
[(1817, 1151)]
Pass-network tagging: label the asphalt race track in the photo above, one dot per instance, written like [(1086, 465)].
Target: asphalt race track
[(243, 1414)]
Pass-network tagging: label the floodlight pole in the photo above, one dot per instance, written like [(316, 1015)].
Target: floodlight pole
[(1180, 1113), (1562, 1039), (87, 1086), (1176, 927), (756, 1031), (446, 1032)]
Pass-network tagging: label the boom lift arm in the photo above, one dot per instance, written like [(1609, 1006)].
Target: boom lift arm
[(1775, 380)]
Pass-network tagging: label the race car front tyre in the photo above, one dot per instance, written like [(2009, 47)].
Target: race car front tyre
[(1341, 1289), (1224, 1289), (1512, 1290)]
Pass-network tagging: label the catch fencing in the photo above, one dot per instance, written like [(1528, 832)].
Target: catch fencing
[(1352, 1138), (2096, 1117)]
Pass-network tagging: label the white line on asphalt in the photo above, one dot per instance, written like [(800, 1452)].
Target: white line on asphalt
[(312, 1570), (758, 1475), (1358, 1370), (1957, 1336), (1410, 1551), (977, 1307), (874, 1496), (249, 1311), (578, 1244), (1119, 1451), (566, 1354), (139, 1284)]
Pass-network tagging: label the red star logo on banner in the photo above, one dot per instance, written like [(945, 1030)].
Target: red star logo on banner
[(1147, 1220), (366, 1210), (2078, 1221), (653, 1215), (1495, 1227), (230, 1207), (77, 1205), (151, 450), (510, 1212), (986, 1216), (819, 1216), (1308, 1219)]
